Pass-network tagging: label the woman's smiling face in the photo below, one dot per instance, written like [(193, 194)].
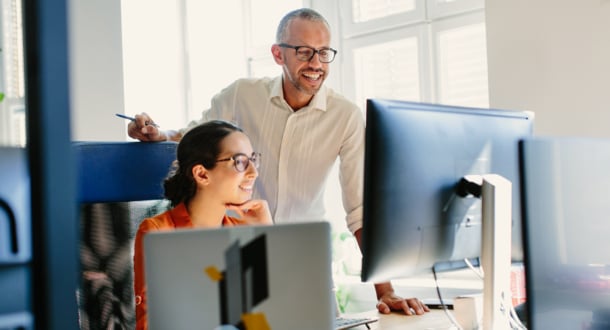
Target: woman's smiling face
[(226, 182)]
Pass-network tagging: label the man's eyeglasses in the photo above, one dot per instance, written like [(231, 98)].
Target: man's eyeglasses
[(241, 161), (306, 53)]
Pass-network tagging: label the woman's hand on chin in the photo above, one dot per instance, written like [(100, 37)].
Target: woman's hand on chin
[(254, 211)]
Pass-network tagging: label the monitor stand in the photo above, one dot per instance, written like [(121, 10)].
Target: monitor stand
[(496, 199)]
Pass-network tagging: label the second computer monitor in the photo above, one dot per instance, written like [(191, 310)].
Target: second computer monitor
[(415, 155), (566, 204)]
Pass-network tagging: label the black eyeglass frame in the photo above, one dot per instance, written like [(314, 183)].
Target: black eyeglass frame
[(254, 159), (314, 52)]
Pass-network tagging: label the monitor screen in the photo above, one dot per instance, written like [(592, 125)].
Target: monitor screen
[(16, 263), (415, 155), (566, 206)]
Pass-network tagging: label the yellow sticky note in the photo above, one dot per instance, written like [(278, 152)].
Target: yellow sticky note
[(255, 321), (213, 273)]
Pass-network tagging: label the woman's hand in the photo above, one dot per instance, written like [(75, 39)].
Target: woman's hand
[(254, 211)]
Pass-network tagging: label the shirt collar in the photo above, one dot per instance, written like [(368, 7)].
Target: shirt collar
[(180, 216), (318, 101)]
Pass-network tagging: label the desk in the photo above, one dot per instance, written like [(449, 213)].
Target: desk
[(435, 319), (452, 284), (455, 283)]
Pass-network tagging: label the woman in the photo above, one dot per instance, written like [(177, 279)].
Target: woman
[(215, 171)]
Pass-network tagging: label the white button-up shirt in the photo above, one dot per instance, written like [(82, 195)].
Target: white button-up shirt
[(298, 148)]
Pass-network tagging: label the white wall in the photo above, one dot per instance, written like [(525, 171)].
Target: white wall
[(96, 75), (552, 57)]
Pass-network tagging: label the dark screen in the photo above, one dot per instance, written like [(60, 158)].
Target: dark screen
[(415, 154), (566, 222), (15, 240)]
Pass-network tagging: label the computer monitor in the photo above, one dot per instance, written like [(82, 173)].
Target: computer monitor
[(415, 156), (16, 311), (566, 206)]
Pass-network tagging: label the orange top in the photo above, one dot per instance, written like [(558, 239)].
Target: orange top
[(177, 217)]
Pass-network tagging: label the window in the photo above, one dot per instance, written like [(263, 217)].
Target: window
[(461, 57), (396, 77), (260, 34), (429, 51), (12, 88), (153, 61), (388, 67), (180, 53), (215, 49), (366, 10)]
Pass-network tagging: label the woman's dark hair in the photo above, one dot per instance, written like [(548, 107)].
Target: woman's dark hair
[(200, 145)]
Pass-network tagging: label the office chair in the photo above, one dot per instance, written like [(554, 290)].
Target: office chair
[(118, 185)]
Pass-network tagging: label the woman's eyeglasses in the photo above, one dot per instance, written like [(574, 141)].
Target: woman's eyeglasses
[(242, 161)]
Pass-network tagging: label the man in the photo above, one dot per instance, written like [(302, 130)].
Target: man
[(300, 127)]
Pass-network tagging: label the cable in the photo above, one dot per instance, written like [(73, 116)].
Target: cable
[(513, 318), (479, 272), (515, 321), (440, 298)]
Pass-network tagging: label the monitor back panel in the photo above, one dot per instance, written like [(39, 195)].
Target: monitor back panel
[(415, 155), (206, 279)]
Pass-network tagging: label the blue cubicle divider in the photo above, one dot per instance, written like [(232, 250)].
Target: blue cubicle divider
[(15, 240), (122, 171)]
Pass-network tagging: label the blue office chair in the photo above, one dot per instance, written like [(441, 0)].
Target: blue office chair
[(118, 185)]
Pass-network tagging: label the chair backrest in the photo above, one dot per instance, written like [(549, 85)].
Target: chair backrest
[(118, 185), (122, 171)]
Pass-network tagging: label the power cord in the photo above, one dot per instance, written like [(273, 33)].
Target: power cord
[(477, 271), (443, 305), (515, 322)]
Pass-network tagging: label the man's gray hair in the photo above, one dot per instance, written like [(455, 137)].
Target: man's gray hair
[(303, 13)]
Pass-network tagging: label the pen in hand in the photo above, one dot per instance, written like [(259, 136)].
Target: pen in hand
[(151, 123)]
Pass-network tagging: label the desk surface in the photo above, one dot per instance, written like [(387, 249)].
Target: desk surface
[(435, 319), (452, 284)]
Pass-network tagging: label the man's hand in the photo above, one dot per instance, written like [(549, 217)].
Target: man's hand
[(389, 301), (143, 128)]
